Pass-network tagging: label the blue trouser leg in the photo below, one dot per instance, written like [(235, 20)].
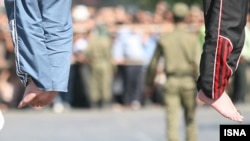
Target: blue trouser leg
[(42, 34)]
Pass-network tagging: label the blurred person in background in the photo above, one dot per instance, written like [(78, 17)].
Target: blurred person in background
[(11, 89), (181, 52), (101, 66), (195, 19), (162, 18), (162, 24), (105, 20), (129, 55), (4, 40), (150, 40), (80, 69), (6, 88), (161, 8), (42, 42)]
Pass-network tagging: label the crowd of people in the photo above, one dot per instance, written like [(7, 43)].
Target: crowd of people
[(112, 49)]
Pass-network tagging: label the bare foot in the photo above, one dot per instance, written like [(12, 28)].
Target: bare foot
[(223, 105), (35, 97), (47, 97), (30, 95)]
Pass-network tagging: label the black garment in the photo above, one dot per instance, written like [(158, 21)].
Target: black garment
[(80, 86), (224, 22)]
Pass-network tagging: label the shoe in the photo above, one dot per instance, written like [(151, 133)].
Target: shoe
[(58, 107), (1, 120), (136, 105)]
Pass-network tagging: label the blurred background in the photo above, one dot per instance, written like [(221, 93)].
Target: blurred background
[(98, 80)]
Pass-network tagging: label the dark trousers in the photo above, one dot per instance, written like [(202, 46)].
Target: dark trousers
[(80, 86), (133, 83), (225, 22), (240, 83), (118, 85)]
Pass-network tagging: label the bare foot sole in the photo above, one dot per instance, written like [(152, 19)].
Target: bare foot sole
[(223, 105)]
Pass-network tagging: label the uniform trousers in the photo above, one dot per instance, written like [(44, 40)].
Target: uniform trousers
[(179, 97)]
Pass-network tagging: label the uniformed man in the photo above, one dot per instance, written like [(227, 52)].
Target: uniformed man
[(100, 59), (181, 51)]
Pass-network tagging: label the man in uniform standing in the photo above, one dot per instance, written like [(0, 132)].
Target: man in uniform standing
[(181, 52), (100, 59)]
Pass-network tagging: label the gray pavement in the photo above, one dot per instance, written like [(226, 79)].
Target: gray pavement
[(146, 124)]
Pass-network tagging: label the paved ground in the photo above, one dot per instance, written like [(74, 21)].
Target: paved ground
[(105, 125)]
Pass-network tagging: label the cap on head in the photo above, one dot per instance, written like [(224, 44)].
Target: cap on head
[(180, 10)]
